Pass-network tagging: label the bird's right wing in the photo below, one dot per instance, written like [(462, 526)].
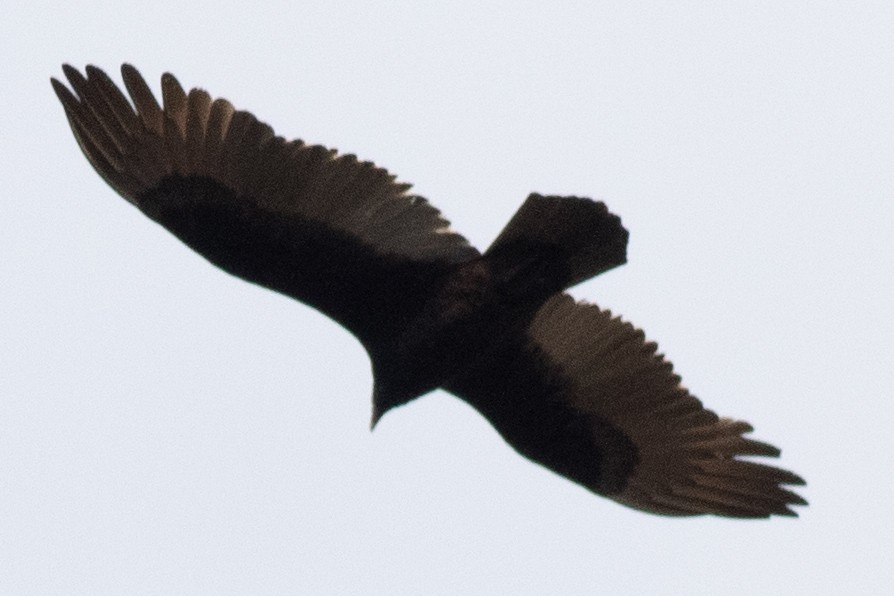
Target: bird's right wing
[(332, 231), (586, 395)]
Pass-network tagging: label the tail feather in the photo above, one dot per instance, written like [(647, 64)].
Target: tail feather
[(588, 237)]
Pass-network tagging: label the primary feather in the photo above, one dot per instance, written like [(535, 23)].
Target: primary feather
[(565, 383)]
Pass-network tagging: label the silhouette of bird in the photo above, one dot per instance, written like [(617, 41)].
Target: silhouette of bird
[(565, 383)]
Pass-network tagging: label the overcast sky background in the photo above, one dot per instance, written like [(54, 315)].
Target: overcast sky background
[(166, 428)]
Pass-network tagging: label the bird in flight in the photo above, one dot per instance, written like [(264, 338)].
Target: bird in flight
[(565, 383)]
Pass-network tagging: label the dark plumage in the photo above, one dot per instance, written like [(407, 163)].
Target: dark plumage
[(565, 383)]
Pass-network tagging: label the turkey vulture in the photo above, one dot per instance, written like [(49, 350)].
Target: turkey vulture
[(565, 383)]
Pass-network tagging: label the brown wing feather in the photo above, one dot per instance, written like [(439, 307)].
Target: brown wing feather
[(687, 458), (134, 149)]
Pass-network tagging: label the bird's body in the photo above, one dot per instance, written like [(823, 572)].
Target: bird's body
[(565, 383)]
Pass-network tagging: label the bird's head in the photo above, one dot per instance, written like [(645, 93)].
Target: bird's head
[(399, 377), (387, 396)]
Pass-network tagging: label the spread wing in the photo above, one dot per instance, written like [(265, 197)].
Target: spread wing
[(337, 233), (585, 394)]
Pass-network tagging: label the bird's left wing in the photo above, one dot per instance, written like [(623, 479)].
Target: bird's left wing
[(337, 233), (584, 394)]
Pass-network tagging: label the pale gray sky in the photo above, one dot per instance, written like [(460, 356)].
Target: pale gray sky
[(165, 428)]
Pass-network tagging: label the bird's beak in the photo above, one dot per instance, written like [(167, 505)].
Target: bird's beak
[(376, 415)]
